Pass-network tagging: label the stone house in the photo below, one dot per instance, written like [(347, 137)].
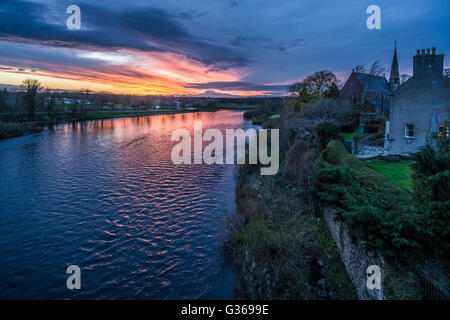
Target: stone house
[(371, 89), (420, 106), (365, 88)]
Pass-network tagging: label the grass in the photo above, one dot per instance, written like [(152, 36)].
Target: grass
[(335, 272), (397, 172), (336, 155), (17, 129), (349, 135), (277, 246), (236, 106), (275, 117)]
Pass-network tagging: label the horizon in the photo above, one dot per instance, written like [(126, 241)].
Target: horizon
[(200, 48)]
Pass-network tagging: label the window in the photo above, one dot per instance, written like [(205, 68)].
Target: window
[(410, 131), (444, 131)]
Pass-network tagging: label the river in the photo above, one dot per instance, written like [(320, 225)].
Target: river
[(105, 195)]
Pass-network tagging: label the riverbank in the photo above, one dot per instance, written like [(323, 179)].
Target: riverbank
[(16, 125), (17, 129), (283, 251)]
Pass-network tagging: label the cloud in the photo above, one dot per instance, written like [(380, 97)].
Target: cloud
[(249, 41), (266, 43), (145, 29), (286, 45), (190, 15), (237, 86)]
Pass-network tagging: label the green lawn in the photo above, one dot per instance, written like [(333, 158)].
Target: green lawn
[(236, 106), (349, 135), (397, 172)]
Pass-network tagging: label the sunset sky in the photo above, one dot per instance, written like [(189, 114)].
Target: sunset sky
[(241, 47)]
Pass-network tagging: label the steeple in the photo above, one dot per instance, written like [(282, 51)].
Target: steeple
[(394, 79)]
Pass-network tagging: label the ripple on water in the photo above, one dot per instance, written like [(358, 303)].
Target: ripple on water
[(105, 195)]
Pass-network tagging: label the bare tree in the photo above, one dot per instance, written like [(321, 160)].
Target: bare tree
[(360, 68), (31, 87), (447, 73), (376, 69), (3, 100), (404, 77)]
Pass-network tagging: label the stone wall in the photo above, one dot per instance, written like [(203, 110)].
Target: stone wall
[(355, 258)]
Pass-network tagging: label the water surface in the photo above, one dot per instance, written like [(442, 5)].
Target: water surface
[(105, 195)]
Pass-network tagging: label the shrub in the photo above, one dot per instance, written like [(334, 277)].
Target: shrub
[(431, 192), (376, 211), (325, 132), (371, 128), (299, 165)]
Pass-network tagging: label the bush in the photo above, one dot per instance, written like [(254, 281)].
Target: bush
[(371, 128), (325, 132), (273, 250), (431, 192), (377, 211), (299, 166)]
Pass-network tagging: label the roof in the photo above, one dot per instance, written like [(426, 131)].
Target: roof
[(373, 83)]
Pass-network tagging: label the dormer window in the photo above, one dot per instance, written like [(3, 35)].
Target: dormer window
[(410, 131)]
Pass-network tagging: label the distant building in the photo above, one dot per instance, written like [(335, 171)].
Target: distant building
[(371, 89), (420, 106), (72, 101)]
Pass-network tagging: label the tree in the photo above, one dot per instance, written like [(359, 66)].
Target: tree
[(332, 91), (447, 73), (3, 99), (31, 87), (431, 192), (325, 132), (50, 101), (404, 77), (359, 68), (102, 98), (80, 98), (376, 69), (312, 88)]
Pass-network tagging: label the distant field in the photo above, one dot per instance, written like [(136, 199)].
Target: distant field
[(236, 106), (397, 172)]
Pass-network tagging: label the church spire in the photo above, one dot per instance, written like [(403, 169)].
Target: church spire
[(394, 79)]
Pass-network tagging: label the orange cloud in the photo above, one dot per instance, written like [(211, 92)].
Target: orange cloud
[(130, 72)]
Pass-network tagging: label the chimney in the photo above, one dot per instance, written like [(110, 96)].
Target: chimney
[(428, 65)]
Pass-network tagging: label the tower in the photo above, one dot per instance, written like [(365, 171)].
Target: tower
[(394, 78)]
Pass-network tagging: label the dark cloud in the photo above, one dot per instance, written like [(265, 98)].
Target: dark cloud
[(286, 45), (190, 15), (249, 41), (145, 29), (266, 43), (237, 86), (234, 3)]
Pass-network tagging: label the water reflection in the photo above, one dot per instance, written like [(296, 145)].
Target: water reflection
[(106, 196)]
